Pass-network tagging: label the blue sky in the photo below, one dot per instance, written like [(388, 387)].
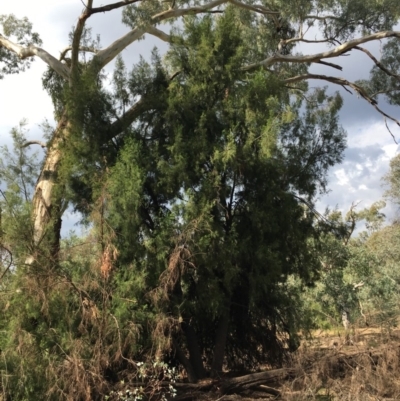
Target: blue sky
[(357, 179)]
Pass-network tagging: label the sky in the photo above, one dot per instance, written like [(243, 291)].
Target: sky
[(357, 179)]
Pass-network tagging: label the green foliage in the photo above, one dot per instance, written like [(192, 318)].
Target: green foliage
[(392, 180), (21, 31), (204, 198), (18, 173)]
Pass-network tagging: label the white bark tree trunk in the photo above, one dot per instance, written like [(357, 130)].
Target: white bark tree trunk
[(47, 203)]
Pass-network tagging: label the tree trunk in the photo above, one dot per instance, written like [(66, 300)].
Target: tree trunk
[(195, 356), (192, 377), (220, 343), (47, 203)]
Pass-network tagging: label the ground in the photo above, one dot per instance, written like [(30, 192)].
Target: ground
[(360, 365)]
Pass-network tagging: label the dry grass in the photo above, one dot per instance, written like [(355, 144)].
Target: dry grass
[(358, 366)]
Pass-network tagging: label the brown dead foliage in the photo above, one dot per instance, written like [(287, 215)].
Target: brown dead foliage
[(324, 369)]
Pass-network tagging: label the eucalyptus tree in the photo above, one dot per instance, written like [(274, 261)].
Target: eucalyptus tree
[(274, 28)]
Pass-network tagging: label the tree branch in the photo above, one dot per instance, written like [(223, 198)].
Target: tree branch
[(322, 18), (29, 143), (81, 49), (159, 34), (314, 58), (104, 56), (257, 8), (113, 6), (377, 62), (344, 82), (77, 36), (127, 118), (337, 66), (31, 51)]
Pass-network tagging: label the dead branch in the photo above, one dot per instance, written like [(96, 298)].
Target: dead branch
[(238, 384)]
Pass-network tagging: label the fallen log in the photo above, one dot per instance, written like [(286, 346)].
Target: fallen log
[(239, 384)]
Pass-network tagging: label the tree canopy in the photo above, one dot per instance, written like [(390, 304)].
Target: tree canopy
[(197, 172)]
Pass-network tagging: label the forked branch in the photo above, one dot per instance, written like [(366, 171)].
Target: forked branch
[(106, 55)]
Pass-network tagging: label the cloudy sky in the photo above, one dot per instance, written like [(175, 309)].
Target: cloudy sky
[(370, 146)]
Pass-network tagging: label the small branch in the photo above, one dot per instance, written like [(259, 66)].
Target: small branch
[(113, 6), (337, 66), (390, 132), (29, 143), (64, 52), (358, 285), (344, 82), (314, 58), (338, 81), (377, 62), (301, 39), (9, 265), (257, 8), (322, 18)]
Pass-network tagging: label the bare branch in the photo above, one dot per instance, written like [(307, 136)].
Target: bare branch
[(86, 49), (301, 39), (31, 51), (127, 118), (377, 62), (159, 34), (77, 36), (252, 7), (322, 18), (113, 6), (29, 143), (314, 58), (390, 132), (344, 82), (144, 104), (337, 66), (104, 56)]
